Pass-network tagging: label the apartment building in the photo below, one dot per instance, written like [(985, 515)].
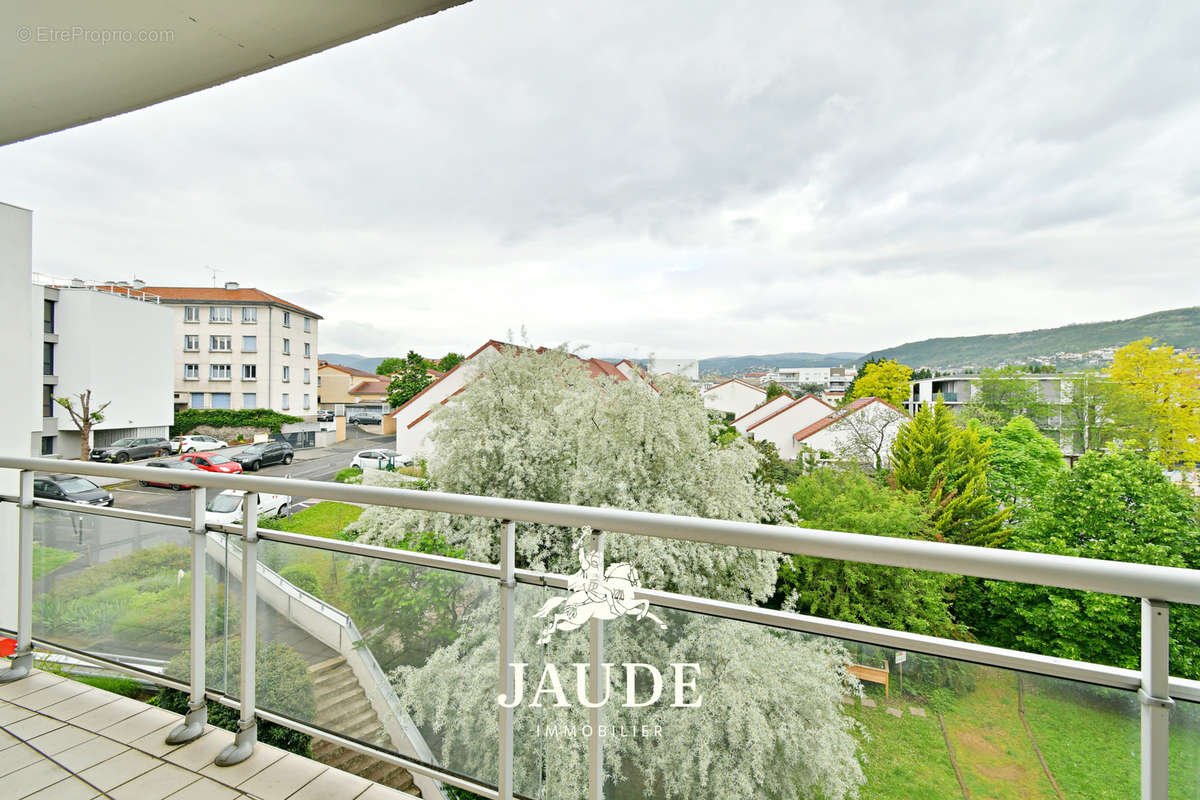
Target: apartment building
[(240, 348), (832, 379)]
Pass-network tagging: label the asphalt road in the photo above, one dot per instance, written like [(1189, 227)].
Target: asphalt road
[(313, 465)]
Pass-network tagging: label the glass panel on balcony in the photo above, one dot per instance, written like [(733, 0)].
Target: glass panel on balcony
[(115, 588), (345, 633)]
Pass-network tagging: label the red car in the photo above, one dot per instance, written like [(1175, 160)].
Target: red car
[(213, 462), (174, 474)]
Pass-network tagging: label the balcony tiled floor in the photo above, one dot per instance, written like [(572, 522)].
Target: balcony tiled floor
[(96, 744)]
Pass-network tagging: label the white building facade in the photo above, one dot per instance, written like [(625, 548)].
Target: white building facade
[(733, 396), (781, 426), (240, 349)]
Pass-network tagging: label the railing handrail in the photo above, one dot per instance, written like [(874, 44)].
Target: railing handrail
[(1167, 584)]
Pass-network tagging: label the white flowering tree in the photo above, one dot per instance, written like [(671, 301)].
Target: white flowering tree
[(536, 425)]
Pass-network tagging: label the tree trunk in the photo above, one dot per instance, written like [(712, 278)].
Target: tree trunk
[(85, 439)]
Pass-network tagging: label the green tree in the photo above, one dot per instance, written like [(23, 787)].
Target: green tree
[(774, 390), (450, 361), (1023, 462), (889, 597), (888, 380), (921, 445), (963, 510), (1156, 401), (390, 366), (773, 470), (1002, 394), (1116, 506), (413, 378)]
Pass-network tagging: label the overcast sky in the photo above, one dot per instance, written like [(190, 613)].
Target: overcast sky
[(682, 178)]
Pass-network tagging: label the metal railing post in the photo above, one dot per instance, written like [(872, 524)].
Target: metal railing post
[(247, 735), (508, 589), (196, 718), (595, 692), (21, 661), (1156, 702)]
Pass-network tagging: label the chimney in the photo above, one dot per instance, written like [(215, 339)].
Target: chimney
[(230, 286)]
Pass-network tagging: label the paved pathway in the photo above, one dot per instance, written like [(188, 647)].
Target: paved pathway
[(64, 740)]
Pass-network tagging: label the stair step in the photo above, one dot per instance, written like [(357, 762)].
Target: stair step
[(335, 698), (358, 720), (334, 679), (328, 664)]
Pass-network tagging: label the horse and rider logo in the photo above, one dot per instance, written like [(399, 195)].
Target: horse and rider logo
[(595, 593)]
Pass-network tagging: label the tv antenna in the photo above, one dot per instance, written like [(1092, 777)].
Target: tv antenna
[(214, 272)]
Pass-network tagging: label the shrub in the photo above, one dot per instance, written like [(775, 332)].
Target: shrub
[(188, 419), (284, 686), (349, 475), (303, 577)]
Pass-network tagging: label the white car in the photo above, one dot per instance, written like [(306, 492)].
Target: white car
[(226, 507), (196, 444), (380, 459)]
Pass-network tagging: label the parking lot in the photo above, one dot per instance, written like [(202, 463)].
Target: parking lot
[(319, 464)]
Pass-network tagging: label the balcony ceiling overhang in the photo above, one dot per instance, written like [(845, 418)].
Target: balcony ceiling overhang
[(68, 62)]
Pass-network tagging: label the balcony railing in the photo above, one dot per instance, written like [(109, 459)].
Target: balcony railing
[(234, 593)]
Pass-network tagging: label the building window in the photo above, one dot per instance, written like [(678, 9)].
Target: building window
[(48, 445), (48, 315), (287, 347), (191, 372), (249, 372), (249, 344), (249, 314), (307, 375), (191, 343), (220, 372), (287, 319), (286, 404), (249, 400), (221, 400), (197, 400), (287, 373), (307, 324), (220, 314), (306, 401), (48, 403), (307, 350), (220, 344), (47, 358), (191, 313)]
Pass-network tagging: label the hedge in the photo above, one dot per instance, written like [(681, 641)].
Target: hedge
[(189, 419)]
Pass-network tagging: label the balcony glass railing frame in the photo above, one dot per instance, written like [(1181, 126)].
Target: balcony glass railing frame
[(1156, 587)]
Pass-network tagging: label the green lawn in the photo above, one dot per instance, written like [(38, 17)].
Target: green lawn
[(1089, 737), (47, 559), (326, 520)]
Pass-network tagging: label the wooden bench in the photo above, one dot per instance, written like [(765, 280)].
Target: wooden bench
[(872, 675)]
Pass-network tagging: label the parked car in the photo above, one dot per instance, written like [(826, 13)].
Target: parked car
[(213, 462), (264, 454), (380, 459), (174, 474), (325, 416), (70, 488), (123, 450), (195, 443), (226, 508), (365, 418)]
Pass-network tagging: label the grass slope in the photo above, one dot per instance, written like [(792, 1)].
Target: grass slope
[(1179, 327)]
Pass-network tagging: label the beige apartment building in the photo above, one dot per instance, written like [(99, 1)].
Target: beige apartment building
[(241, 348)]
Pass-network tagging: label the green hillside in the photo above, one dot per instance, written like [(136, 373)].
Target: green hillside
[(1179, 327)]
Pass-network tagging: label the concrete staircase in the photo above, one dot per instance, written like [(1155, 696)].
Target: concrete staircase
[(342, 706)]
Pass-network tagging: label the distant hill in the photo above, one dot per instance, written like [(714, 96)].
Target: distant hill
[(1179, 327), (368, 363), (738, 365)]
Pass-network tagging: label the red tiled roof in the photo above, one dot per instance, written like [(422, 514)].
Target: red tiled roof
[(789, 406), (599, 368), (840, 414), (208, 294), (348, 370), (371, 387)]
